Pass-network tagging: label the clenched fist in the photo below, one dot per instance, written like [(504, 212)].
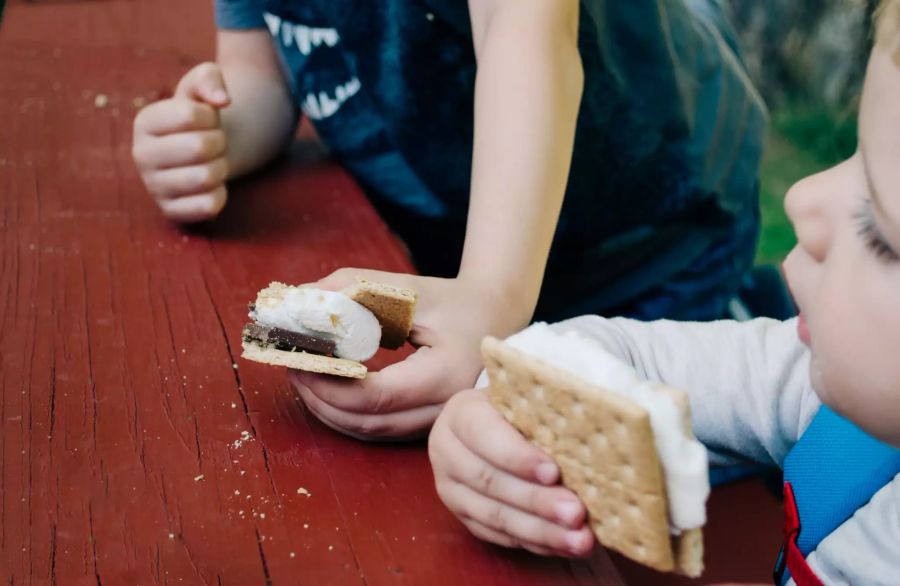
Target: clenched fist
[(179, 147)]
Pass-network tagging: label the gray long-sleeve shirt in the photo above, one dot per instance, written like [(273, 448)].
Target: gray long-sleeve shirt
[(751, 400)]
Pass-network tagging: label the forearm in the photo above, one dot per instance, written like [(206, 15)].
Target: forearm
[(262, 118), (527, 96), (748, 382)]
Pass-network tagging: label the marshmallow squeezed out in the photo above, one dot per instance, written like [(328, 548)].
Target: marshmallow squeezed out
[(324, 314), (683, 458)]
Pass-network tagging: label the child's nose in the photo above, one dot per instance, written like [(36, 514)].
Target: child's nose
[(805, 207)]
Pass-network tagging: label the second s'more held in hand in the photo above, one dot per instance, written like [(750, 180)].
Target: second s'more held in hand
[(623, 445), (327, 332)]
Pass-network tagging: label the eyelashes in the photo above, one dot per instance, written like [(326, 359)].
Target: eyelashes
[(871, 236)]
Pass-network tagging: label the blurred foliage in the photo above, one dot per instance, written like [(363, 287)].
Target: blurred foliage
[(803, 139)]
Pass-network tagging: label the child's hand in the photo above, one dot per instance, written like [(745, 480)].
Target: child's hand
[(179, 147), (500, 486), (403, 400)]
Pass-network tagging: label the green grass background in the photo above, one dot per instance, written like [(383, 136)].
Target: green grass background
[(803, 140)]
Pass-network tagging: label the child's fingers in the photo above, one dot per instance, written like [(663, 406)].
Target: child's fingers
[(175, 115), (173, 183), (458, 465), (487, 434), (414, 382), (179, 150), (195, 208), (204, 83), (488, 534), (485, 533), (405, 423), (519, 525)]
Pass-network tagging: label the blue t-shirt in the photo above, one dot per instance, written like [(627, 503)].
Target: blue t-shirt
[(662, 190)]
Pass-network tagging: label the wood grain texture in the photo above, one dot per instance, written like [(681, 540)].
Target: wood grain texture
[(137, 448)]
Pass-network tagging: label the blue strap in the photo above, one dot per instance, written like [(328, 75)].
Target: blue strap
[(835, 468)]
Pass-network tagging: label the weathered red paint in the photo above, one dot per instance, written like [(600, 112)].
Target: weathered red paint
[(137, 448)]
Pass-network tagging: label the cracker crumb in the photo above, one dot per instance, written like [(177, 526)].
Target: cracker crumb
[(237, 492), (293, 555), (330, 547), (303, 491), (171, 536), (198, 477), (243, 472), (234, 365), (262, 515), (234, 405), (306, 525), (101, 101)]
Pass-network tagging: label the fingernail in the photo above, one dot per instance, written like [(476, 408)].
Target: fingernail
[(220, 96), (546, 473), (575, 541), (568, 512)]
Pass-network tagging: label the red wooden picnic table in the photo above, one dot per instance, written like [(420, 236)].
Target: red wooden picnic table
[(137, 447)]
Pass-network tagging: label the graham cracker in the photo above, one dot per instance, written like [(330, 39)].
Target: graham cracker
[(606, 452), (303, 361), (394, 307)]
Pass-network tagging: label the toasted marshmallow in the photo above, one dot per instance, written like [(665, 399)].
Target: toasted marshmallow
[(684, 460), (323, 314)]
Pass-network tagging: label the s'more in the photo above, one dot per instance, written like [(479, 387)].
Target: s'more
[(623, 445), (327, 332)]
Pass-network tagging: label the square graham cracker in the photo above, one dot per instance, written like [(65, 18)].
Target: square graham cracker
[(395, 308), (606, 452)]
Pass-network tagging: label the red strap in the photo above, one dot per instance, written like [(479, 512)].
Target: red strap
[(796, 563)]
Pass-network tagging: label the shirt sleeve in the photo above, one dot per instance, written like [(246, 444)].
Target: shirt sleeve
[(748, 382), (239, 14), (866, 548)]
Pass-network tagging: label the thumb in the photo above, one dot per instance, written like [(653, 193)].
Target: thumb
[(204, 83), (347, 277)]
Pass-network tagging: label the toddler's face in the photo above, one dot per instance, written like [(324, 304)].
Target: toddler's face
[(845, 270)]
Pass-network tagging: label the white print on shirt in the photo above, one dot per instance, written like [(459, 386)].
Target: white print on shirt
[(322, 104), (306, 38)]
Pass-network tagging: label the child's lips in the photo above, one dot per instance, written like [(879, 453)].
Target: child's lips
[(803, 329)]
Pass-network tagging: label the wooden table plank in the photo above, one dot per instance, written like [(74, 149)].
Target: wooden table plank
[(137, 448)]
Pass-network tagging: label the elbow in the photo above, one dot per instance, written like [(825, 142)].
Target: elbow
[(571, 68)]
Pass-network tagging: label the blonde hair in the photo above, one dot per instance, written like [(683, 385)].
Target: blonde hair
[(887, 25)]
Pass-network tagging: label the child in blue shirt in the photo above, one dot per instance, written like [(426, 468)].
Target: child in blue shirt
[(539, 158)]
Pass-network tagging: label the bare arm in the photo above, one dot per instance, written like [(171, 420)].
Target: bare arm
[(527, 95), (262, 118), (528, 91)]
